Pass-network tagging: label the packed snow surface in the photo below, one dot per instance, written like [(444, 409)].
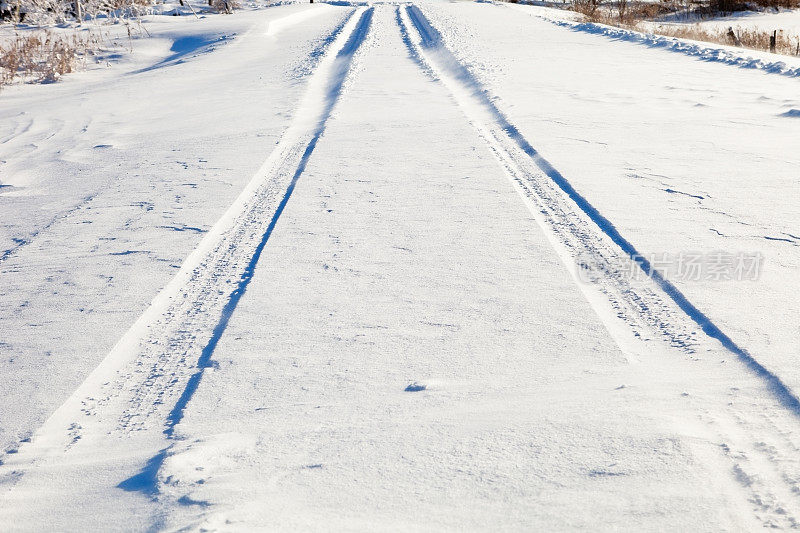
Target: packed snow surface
[(417, 266)]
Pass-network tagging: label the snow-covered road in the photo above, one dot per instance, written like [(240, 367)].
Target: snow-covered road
[(328, 280)]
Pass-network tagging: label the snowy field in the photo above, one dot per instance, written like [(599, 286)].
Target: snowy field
[(787, 21), (658, 35), (401, 266)]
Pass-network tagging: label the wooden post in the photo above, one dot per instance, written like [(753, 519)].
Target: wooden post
[(772, 40), (79, 11), (734, 37)]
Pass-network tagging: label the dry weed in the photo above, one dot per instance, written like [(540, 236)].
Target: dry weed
[(224, 6), (42, 56), (630, 15), (745, 37)]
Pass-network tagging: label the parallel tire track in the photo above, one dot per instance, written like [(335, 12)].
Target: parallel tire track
[(147, 380), (584, 237), (764, 467)]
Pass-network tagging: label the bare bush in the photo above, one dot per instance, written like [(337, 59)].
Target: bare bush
[(588, 8), (646, 11), (224, 6), (622, 9), (622, 13), (726, 6), (47, 12)]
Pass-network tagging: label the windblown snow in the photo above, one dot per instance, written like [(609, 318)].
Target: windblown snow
[(401, 266)]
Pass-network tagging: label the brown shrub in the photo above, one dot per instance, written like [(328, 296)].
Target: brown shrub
[(224, 6), (587, 8), (42, 56)]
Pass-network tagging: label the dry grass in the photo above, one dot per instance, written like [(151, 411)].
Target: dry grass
[(48, 12), (224, 6), (46, 55), (621, 12), (630, 15), (42, 56), (587, 8), (747, 38)]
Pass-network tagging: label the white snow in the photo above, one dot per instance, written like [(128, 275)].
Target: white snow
[(785, 20), (316, 267)]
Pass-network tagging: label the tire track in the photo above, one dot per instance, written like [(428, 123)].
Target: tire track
[(761, 451), (743, 58), (336, 84), (583, 235), (142, 387)]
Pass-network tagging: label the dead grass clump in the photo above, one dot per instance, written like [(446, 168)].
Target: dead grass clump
[(42, 56), (625, 13), (224, 6), (587, 8), (648, 10)]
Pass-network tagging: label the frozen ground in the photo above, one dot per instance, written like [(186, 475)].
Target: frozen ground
[(315, 267)]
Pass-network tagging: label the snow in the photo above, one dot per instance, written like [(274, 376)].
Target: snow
[(682, 127), (316, 267), (99, 211), (784, 20), (730, 55)]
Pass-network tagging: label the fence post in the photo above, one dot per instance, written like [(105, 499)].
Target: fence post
[(772, 39), (734, 37)]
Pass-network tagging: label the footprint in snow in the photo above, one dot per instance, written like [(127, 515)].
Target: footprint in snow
[(415, 387)]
